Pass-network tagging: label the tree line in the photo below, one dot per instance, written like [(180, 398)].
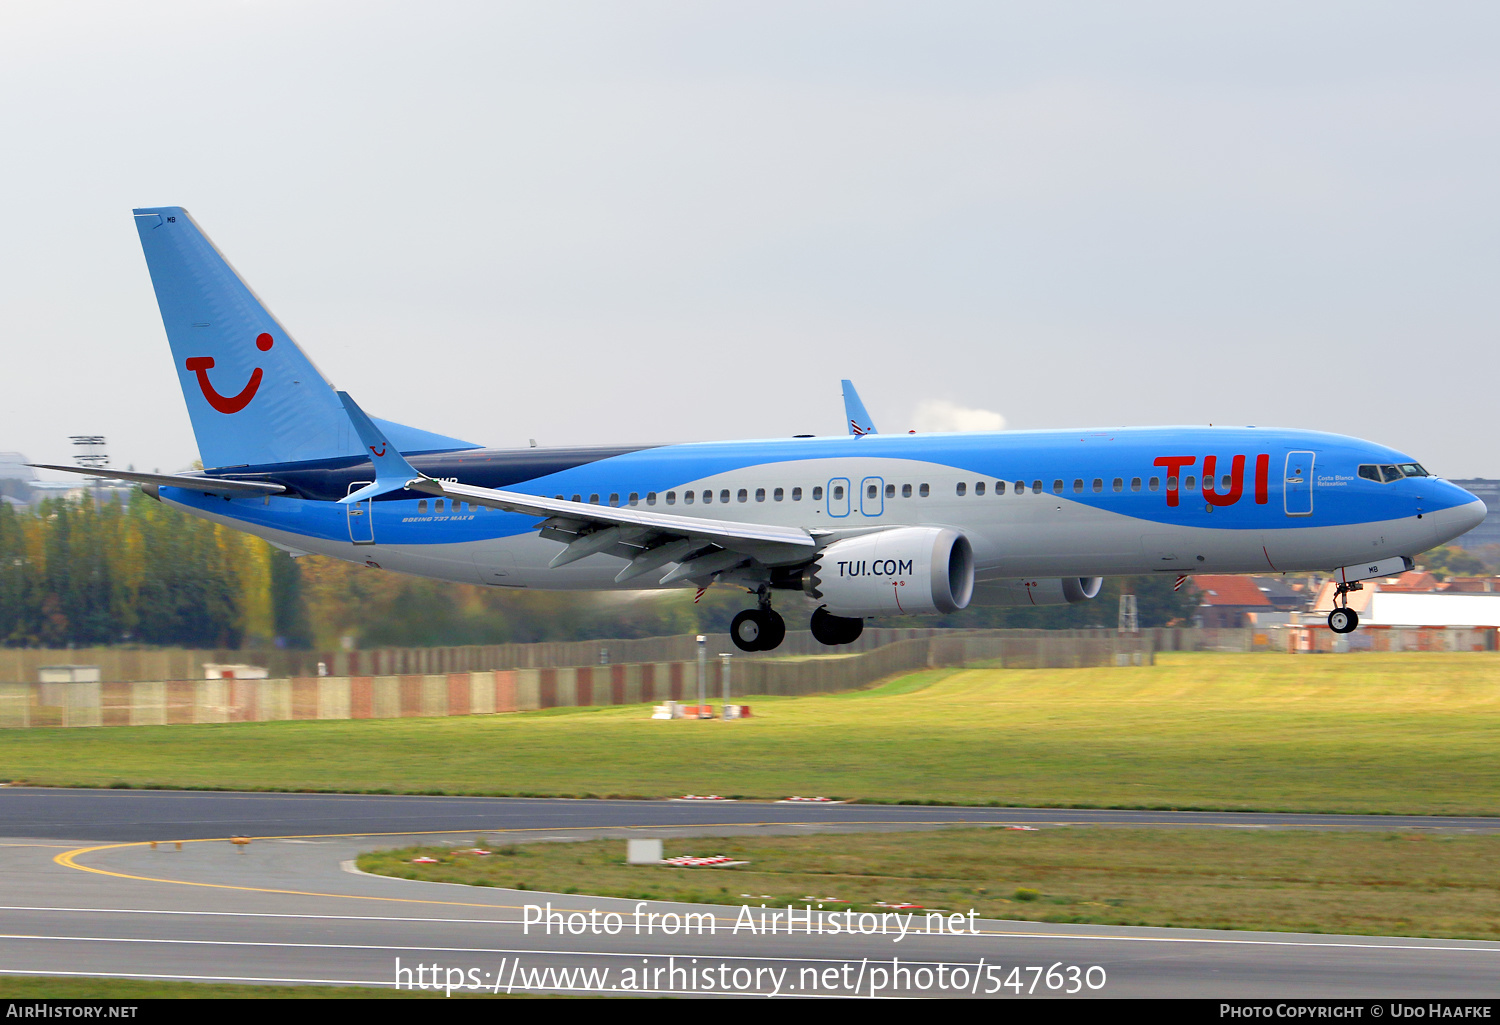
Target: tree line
[(77, 574)]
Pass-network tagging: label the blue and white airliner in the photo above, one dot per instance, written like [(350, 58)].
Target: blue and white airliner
[(853, 526)]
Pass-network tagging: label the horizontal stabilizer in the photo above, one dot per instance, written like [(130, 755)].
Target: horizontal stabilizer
[(208, 485)]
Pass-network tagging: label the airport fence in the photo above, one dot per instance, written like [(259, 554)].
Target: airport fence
[(21, 665), (140, 703)]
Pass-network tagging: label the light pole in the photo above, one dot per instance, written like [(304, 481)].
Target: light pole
[(724, 712), (702, 673)]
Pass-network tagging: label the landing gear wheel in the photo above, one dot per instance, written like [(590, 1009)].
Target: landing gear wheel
[(757, 630), (830, 629), (747, 629), (1343, 621), (773, 630)]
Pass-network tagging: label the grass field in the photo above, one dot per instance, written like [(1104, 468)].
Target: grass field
[(1386, 884), (1409, 733)]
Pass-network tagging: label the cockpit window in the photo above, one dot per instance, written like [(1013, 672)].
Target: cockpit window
[(1385, 473)]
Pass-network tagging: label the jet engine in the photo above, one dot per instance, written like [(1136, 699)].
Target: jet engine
[(1036, 591), (905, 571)]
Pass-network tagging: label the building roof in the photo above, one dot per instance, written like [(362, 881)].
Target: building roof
[(1230, 590), (1410, 582)]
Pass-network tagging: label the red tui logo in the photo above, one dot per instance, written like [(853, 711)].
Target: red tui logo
[(201, 365)]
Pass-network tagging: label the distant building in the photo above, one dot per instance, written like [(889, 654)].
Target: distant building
[(15, 477), (1488, 532), (1228, 601)]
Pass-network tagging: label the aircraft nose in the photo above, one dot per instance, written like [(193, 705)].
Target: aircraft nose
[(1473, 514)]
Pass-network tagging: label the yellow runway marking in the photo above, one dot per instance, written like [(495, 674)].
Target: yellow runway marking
[(68, 859)]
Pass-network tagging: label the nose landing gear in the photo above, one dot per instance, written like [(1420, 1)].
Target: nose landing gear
[(1343, 619), (758, 629)]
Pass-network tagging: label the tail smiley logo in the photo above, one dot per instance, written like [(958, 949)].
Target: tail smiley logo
[(201, 365)]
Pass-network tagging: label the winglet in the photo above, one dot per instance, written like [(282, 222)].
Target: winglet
[(392, 471), (859, 420)]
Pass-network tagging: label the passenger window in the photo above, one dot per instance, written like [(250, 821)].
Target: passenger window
[(924, 491), (1154, 484), (778, 494), (1098, 485), (999, 487), (906, 491), (817, 495), (760, 494), (890, 491), (1119, 484), (1224, 482), (796, 494), (838, 493), (1171, 483), (1135, 484), (708, 496), (651, 498), (1036, 487), (1190, 484), (593, 500), (1057, 487), (687, 497), (1078, 485), (437, 506), (635, 498), (962, 488), (422, 506), (614, 500), (744, 496), (871, 490), (577, 498), (671, 498), (724, 496)]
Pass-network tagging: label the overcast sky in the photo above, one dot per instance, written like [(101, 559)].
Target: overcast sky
[(642, 222)]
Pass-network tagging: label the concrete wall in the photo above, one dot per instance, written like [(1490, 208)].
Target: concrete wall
[(410, 695)]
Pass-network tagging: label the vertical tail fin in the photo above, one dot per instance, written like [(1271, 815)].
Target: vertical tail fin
[(254, 397)]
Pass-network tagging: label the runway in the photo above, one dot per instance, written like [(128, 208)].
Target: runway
[(287, 910), (126, 815)]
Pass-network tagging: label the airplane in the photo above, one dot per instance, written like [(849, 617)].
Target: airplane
[(852, 526)]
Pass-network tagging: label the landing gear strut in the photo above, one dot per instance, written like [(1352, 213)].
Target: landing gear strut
[(1343, 619), (758, 629), (830, 629)]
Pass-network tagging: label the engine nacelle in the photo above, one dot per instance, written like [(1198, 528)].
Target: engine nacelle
[(906, 571), (1032, 591)]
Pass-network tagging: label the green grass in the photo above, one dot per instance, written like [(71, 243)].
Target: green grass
[(1387, 884), (1404, 733)]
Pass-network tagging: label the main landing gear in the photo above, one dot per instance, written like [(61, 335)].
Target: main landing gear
[(1343, 619), (830, 629), (758, 629)]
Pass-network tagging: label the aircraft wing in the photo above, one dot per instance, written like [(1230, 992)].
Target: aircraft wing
[(649, 539), (208, 485), (854, 411)]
